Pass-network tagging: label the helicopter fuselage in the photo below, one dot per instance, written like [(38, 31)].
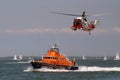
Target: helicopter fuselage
[(82, 24)]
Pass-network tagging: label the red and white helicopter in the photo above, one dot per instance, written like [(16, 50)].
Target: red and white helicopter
[(81, 22)]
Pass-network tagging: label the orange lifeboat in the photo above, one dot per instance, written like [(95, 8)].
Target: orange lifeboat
[(53, 59)]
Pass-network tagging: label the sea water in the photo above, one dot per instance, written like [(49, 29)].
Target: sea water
[(89, 69)]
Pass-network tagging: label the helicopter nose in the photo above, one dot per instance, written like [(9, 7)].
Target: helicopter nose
[(74, 28)]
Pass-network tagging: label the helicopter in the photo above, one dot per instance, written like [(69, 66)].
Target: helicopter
[(81, 22)]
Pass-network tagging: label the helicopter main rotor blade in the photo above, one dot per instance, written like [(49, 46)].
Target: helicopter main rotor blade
[(66, 14), (101, 14), (83, 14)]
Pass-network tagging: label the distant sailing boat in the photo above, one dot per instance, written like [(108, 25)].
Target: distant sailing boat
[(105, 58), (20, 57), (117, 57), (83, 58), (15, 57)]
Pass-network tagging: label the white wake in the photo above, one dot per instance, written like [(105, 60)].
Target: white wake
[(81, 69)]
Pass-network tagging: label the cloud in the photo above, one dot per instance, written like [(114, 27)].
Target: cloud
[(98, 31), (39, 30), (116, 29), (53, 30), (101, 31), (113, 30)]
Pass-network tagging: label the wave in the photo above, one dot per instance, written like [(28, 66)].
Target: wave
[(23, 62), (17, 62), (81, 69)]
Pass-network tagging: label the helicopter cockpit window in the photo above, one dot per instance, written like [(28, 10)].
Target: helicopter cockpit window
[(76, 21)]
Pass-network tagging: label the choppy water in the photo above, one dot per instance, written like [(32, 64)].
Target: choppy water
[(90, 69)]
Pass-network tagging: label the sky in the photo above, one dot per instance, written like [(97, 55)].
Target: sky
[(27, 27)]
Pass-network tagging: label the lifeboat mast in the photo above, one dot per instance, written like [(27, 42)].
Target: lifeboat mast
[(55, 48)]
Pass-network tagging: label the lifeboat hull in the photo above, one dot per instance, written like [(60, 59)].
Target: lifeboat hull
[(39, 65)]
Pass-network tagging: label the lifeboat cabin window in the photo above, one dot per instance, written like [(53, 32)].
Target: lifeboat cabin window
[(55, 49), (51, 58)]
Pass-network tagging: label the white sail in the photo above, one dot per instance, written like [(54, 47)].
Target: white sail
[(30, 59), (105, 58), (20, 57), (117, 57), (15, 57), (83, 58)]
